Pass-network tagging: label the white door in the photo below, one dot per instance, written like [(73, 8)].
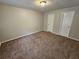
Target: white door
[(66, 23), (50, 22)]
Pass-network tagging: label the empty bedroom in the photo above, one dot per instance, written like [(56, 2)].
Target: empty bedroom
[(39, 29)]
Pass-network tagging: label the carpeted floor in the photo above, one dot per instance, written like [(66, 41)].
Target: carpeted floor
[(41, 45)]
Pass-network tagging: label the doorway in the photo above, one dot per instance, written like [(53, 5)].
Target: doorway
[(50, 22), (65, 26)]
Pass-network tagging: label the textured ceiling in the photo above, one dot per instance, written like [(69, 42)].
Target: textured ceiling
[(30, 4)]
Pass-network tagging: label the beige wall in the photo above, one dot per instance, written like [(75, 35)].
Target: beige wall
[(74, 32), (0, 22), (45, 21), (15, 22)]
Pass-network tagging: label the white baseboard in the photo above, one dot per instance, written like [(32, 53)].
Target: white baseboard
[(73, 38), (18, 37), (67, 37), (30, 34)]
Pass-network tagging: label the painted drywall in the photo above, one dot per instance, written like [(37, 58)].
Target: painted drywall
[(45, 23), (0, 23), (74, 31), (16, 22)]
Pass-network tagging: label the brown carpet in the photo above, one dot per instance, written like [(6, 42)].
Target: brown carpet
[(42, 45)]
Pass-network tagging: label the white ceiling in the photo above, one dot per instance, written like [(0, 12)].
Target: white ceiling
[(30, 4)]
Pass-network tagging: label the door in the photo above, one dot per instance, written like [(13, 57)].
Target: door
[(50, 22), (66, 23)]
